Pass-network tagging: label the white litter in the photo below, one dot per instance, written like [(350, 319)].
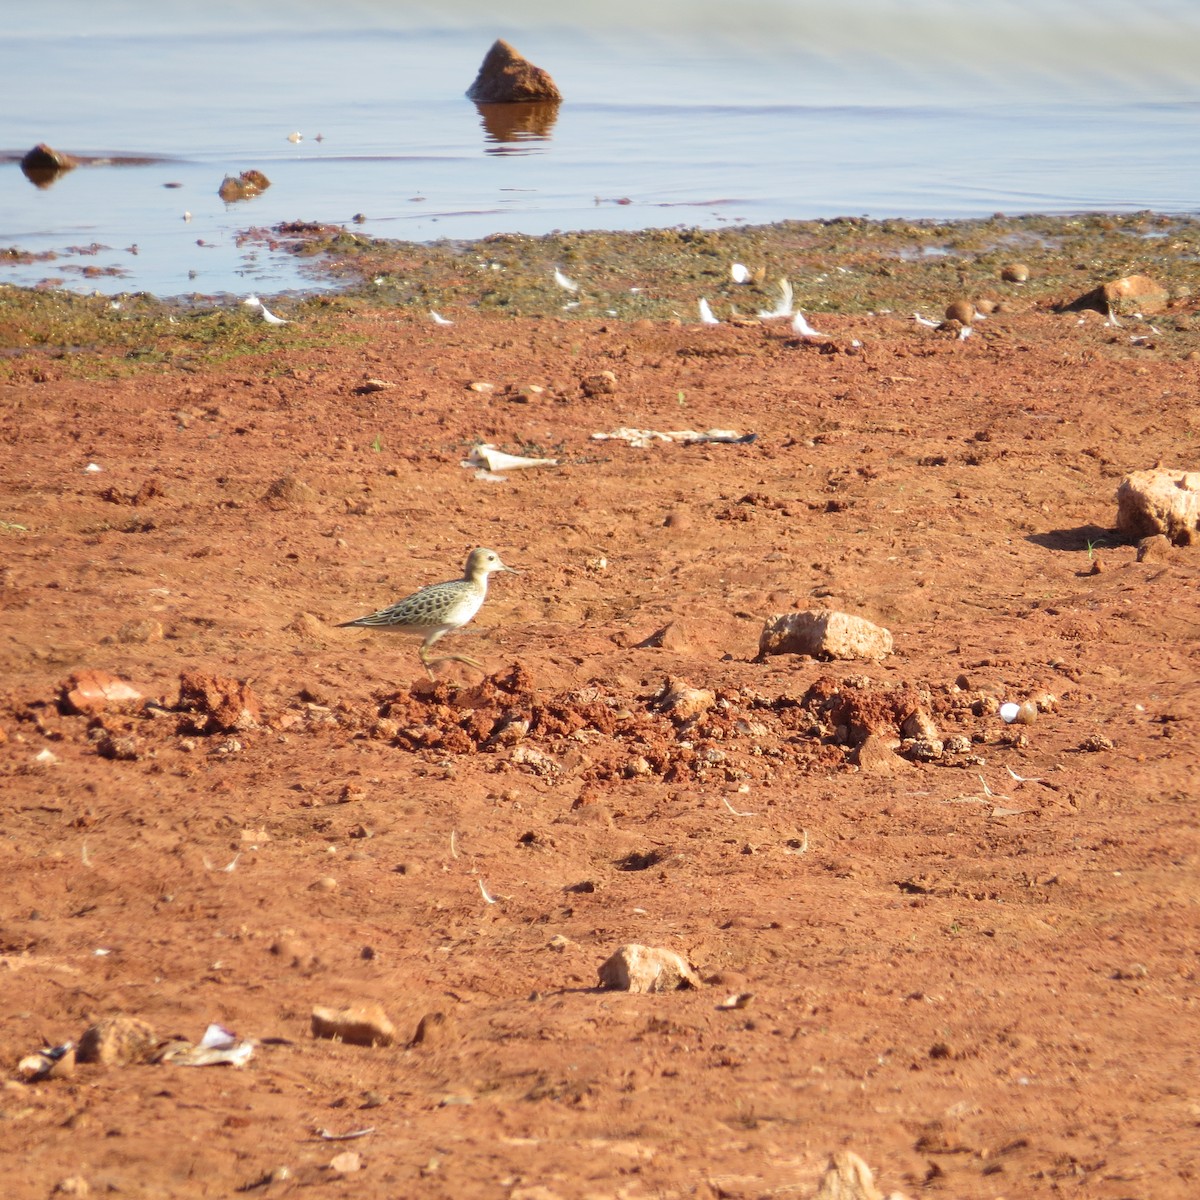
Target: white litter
[(1008, 712), (568, 285), (639, 439), (92, 468), (489, 458), (706, 314), (218, 1047), (920, 320), (438, 319), (784, 307), (964, 333), (739, 274)]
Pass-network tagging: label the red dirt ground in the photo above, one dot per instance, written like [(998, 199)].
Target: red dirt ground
[(985, 985)]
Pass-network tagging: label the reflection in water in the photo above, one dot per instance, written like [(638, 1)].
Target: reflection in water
[(511, 127)]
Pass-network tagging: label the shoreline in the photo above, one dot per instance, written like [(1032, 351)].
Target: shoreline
[(848, 265)]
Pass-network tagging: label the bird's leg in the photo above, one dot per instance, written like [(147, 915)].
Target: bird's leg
[(429, 663), (462, 658), (423, 653)]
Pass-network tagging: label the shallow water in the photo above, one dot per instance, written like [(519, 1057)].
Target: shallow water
[(676, 114)]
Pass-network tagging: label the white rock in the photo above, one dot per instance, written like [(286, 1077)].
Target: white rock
[(823, 633), (1160, 501), (637, 968), (361, 1025)]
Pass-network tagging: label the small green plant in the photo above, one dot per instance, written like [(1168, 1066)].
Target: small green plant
[(377, 444), (680, 396)]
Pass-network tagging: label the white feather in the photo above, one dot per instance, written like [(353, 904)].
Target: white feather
[(803, 328), (784, 307)]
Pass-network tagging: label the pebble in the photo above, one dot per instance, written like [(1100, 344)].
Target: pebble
[(434, 1029)]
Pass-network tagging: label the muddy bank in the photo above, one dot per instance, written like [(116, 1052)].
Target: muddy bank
[(959, 946)]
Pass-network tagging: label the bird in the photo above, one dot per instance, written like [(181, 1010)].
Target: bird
[(439, 608)]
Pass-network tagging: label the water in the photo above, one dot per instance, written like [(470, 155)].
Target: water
[(682, 112)]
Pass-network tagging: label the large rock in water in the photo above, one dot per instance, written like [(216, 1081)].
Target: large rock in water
[(43, 164), (507, 78), (1160, 501)]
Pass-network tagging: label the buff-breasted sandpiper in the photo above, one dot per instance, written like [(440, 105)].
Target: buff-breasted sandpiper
[(439, 608)]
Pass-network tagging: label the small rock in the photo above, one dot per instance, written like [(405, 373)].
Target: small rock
[(603, 384), (505, 77), (434, 1029), (823, 633), (217, 704), (140, 633), (919, 724), (1027, 713), (924, 749), (847, 1178), (1136, 971), (962, 311), (121, 747), (1096, 743), (1014, 273), (359, 1025), (243, 186), (681, 701), (637, 968), (1160, 502), (117, 1041), (1134, 293), (346, 1163), (90, 692), (877, 754), (73, 1185), (1153, 549)]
